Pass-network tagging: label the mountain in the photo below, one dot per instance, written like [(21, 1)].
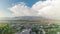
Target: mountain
[(23, 18), (35, 19), (28, 19)]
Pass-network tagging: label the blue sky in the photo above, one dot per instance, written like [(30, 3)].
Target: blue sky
[(5, 4), (8, 3)]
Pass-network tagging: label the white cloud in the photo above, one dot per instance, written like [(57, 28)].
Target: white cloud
[(48, 8), (39, 5), (22, 10)]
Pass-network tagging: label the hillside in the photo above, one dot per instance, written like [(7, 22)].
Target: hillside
[(29, 19)]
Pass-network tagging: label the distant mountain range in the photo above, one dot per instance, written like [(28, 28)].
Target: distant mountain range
[(28, 19), (23, 18)]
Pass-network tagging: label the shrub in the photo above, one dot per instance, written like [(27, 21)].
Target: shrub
[(6, 29)]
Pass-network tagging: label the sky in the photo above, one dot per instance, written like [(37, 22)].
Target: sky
[(45, 8), (6, 4)]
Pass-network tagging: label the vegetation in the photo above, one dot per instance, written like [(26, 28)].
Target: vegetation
[(34, 29), (6, 28)]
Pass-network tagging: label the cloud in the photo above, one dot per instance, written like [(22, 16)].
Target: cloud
[(48, 8), (22, 10)]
